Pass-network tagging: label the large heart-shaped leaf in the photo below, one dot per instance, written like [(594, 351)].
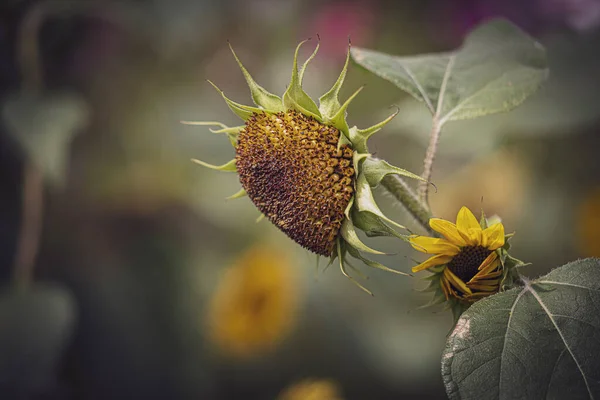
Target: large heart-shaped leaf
[(535, 342), (495, 70)]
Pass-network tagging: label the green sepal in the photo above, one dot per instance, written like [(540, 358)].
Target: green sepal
[(240, 194), (232, 132), (339, 119), (228, 167), (375, 170), (483, 220), (295, 98), (308, 60), (341, 254), (224, 128), (242, 111), (438, 298), (260, 218), (374, 264), (329, 103), (260, 95), (357, 158), (373, 226), (365, 201), (359, 137), (350, 236)]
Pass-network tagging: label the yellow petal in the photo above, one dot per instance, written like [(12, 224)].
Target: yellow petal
[(456, 281), (489, 264), (446, 288), (431, 245), (432, 262), (493, 237), (485, 288), (448, 230), (468, 226)]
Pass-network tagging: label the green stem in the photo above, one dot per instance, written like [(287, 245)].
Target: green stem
[(405, 195)]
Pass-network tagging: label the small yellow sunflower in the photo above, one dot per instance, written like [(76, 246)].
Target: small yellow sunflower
[(306, 170), (470, 260), (255, 304), (312, 389)]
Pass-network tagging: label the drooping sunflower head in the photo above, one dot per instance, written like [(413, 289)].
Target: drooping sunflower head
[(306, 170), (470, 260)]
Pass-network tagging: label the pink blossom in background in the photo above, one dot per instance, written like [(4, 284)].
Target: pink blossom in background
[(579, 15), (336, 22), (451, 21)]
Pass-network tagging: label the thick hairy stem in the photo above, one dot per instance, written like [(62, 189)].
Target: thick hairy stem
[(405, 195), (434, 138)]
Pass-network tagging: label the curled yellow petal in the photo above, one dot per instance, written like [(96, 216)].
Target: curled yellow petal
[(493, 237), (456, 281), (432, 262), (431, 245), (489, 264), (448, 230)]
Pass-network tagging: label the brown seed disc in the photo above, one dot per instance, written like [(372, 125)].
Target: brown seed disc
[(292, 170)]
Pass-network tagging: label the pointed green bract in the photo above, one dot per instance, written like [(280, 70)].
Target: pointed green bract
[(356, 254), (365, 201), (360, 137), (375, 170), (242, 111), (260, 95), (224, 128), (309, 59), (329, 103), (372, 225), (339, 119), (350, 236), (295, 98), (228, 167), (241, 193), (342, 255)]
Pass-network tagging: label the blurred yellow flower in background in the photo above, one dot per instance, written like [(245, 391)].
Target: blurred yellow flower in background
[(501, 178), (588, 224), (255, 304), (311, 389), (468, 265)]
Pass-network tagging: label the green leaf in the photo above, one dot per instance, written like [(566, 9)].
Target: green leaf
[(37, 326), (294, 97), (260, 95), (495, 70), (44, 126), (538, 341)]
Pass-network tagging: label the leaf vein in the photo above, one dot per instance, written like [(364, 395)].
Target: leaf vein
[(551, 316)]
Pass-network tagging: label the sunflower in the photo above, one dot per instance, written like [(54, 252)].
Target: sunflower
[(470, 260), (312, 389), (306, 170), (255, 304)]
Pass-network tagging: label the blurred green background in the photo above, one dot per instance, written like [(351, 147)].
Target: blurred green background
[(176, 292)]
